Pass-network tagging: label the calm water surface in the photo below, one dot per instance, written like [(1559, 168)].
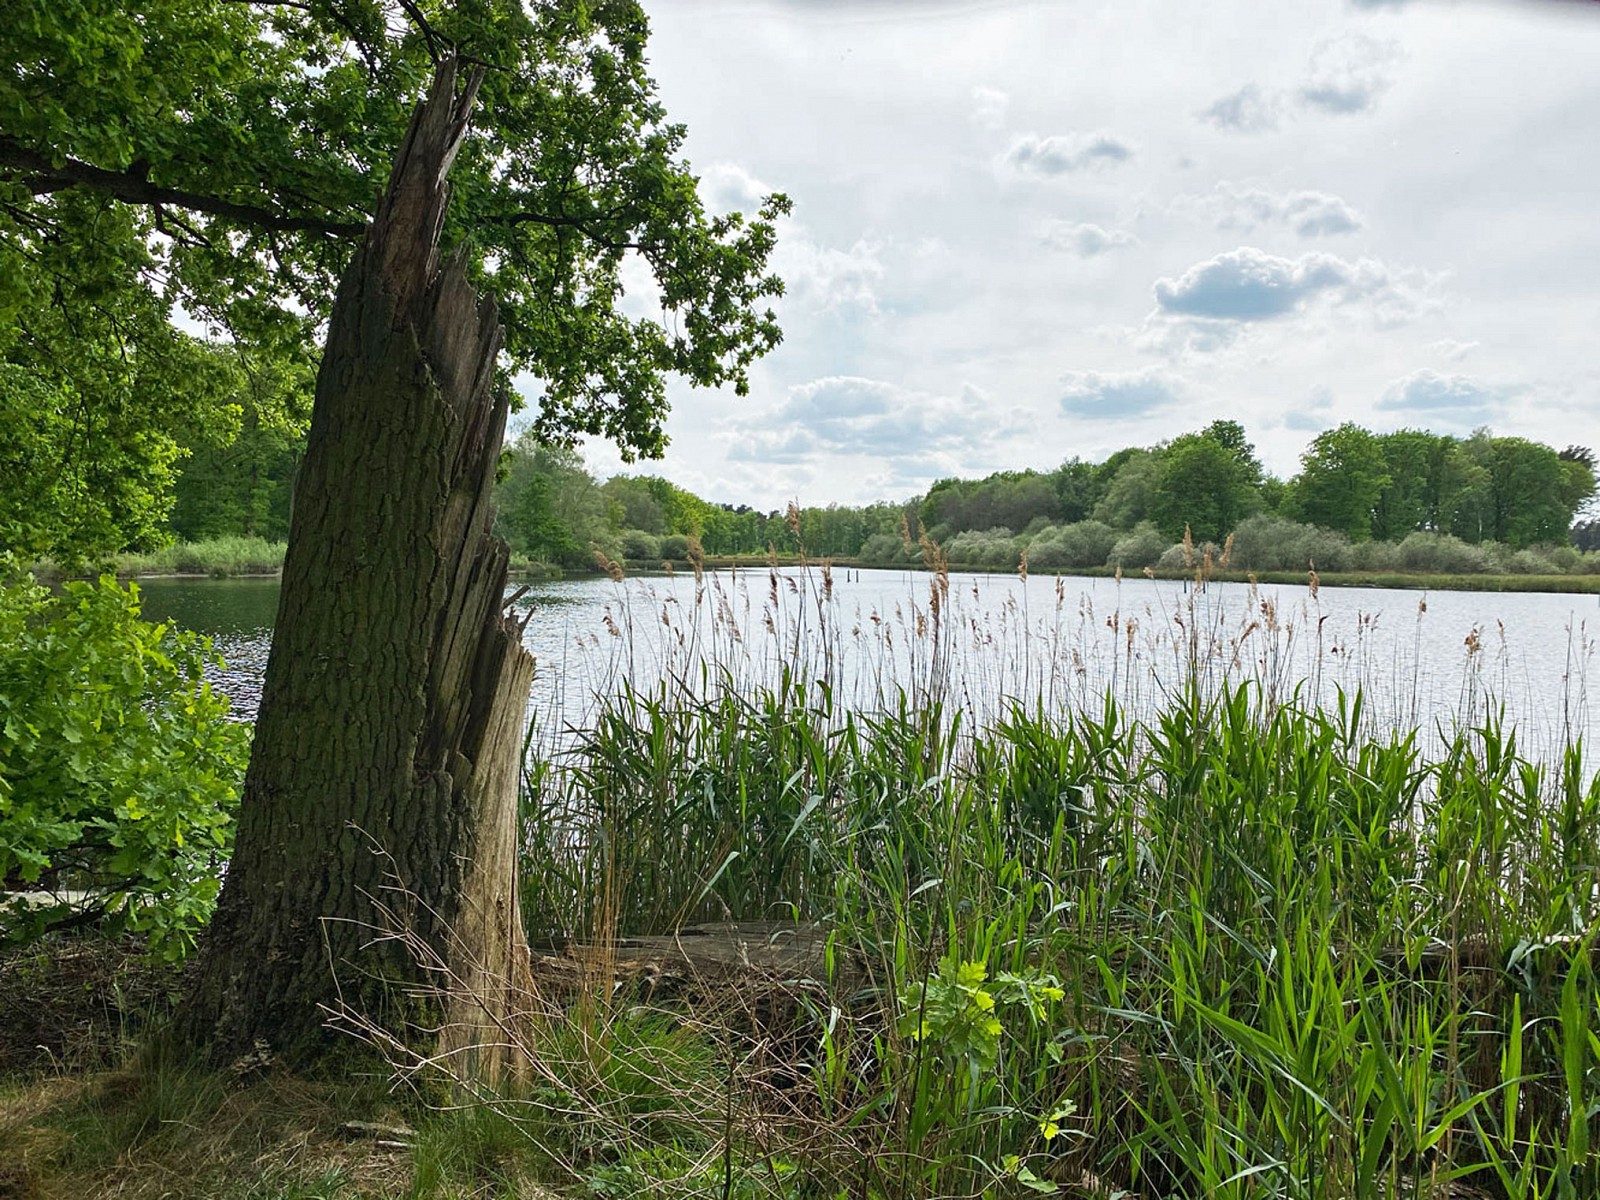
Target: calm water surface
[(1423, 660)]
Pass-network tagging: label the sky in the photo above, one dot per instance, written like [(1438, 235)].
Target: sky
[(1024, 232)]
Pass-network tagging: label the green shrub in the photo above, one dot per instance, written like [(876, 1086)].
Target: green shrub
[(1175, 558), (640, 546), (989, 550), (889, 549), (1269, 543), (1141, 548), (675, 546), (218, 556), (1376, 556), (119, 769), (1082, 544), (1530, 562), (1442, 553), (1563, 558)]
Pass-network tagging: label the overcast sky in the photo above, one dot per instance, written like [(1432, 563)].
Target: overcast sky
[(1026, 231)]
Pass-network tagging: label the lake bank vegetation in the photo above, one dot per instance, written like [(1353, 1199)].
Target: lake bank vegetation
[(1407, 503), (996, 934), (1223, 953), (1364, 508), (1217, 939)]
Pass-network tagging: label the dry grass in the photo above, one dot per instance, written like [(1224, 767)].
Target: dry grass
[(73, 1004), (144, 1132), (96, 1102)]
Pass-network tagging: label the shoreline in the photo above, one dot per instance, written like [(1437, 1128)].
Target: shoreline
[(1394, 580)]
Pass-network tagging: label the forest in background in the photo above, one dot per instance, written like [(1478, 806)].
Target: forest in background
[(1407, 501)]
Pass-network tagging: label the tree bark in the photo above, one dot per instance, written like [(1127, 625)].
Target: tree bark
[(382, 782)]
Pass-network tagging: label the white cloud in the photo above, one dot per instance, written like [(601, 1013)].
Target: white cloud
[(726, 187), (989, 107), (819, 276), (825, 278), (1084, 240), (1453, 350), (1316, 214), (849, 415), (1349, 74), (1460, 400), (1064, 154), (1119, 394), (1316, 415), (1346, 74), (1248, 285), (1309, 213), (1248, 110)]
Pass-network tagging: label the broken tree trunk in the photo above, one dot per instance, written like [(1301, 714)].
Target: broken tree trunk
[(381, 793)]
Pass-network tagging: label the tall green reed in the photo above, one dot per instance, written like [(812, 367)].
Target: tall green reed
[(1236, 939)]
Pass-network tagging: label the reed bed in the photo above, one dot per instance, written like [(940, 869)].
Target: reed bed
[(219, 557), (1232, 937)]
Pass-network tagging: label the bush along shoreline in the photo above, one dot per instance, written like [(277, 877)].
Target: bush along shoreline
[(1267, 549)]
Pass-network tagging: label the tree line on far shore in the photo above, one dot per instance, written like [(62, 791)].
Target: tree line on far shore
[(1408, 501)]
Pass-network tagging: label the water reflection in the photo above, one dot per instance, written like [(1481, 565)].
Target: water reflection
[(236, 614)]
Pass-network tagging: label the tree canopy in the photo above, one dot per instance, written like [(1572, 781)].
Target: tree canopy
[(1342, 477), (218, 159)]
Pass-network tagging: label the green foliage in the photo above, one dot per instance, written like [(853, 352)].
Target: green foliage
[(1534, 497), (641, 546), (738, 530), (551, 509), (954, 1018), (656, 505), (1081, 544), (1376, 556), (1354, 487), (1427, 475), (889, 549), (1342, 478), (118, 766), (238, 480), (1077, 489), (1579, 482), (1267, 543), (1207, 484), (220, 557), (1006, 499), (72, 487), (1142, 547), (986, 550), (225, 157), (1229, 941), (1129, 487), (639, 506), (1441, 553)]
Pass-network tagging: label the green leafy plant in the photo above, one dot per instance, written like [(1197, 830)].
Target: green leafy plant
[(119, 768), (952, 1015)]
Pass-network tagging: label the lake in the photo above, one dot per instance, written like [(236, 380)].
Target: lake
[(1421, 660)]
